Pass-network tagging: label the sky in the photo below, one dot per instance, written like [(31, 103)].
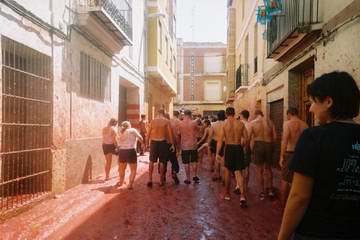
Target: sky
[(202, 20)]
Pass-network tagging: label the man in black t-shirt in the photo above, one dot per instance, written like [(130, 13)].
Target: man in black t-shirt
[(324, 201)]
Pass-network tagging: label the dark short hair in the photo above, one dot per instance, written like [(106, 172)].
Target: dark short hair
[(259, 112), (143, 116), (293, 111), (342, 89), (221, 115), (245, 114), (161, 111), (176, 113), (207, 122), (230, 111), (187, 113)]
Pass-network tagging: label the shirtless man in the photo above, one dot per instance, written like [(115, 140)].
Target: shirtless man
[(174, 124), (244, 117), (234, 134), (292, 130), (159, 131), (215, 133), (203, 143), (262, 132), (188, 130)]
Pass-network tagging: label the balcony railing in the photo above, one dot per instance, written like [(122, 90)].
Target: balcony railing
[(296, 15), (119, 11), (242, 76)]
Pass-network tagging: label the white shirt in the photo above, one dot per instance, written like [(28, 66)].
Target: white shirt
[(128, 139)]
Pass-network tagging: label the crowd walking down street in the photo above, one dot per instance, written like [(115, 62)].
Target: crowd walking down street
[(180, 119), (207, 209)]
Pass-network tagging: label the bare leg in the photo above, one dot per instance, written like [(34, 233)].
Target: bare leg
[(227, 184), (151, 169), (162, 173), (240, 182), (260, 177), (187, 171), (133, 167), (269, 176), (212, 156), (195, 168), (108, 158), (122, 167), (268, 180), (246, 176), (238, 179), (201, 155)]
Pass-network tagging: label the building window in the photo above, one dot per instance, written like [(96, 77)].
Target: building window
[(95, 79), (212, 90), (160, 37), (213, 63)]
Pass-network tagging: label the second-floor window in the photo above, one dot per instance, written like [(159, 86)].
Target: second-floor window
[(212, 90), (95, 79), (213, 63)]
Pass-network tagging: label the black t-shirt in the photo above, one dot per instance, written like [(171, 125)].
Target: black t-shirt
[(330, 154)]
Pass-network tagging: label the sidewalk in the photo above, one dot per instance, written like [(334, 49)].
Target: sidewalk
[(45, 218)]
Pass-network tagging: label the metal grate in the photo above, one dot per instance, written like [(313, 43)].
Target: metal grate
[(26, 125), (95, 79), (297, 14), (119, 10)]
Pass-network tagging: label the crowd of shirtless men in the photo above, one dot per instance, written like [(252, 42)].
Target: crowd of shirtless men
[(232, 142)]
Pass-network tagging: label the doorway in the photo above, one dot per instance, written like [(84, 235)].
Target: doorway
[(307, 76), (122, 104)]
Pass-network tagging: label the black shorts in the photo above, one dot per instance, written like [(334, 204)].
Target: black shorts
[(171, 155), (234, 157), (127, 156), (189, 156), (159, 150), (286, 174), (213, 145), (263, 153), (108, 148)]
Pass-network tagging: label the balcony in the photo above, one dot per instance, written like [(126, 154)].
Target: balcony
[(298, 19), (108, 22), (242, 81)]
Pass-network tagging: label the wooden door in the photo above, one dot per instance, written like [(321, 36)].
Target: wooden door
[(307, 77)]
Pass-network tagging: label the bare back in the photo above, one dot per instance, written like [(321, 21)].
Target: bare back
[(295, 127), (174, 124), (234, 132), (217, 128), (158, 129), (263, 130)]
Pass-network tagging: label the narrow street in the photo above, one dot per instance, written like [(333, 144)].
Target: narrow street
[(101, 211), (173, 212)]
